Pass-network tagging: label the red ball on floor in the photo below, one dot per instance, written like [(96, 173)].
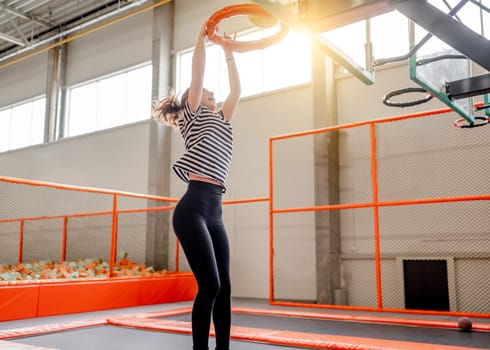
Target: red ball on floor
[(465, 324)]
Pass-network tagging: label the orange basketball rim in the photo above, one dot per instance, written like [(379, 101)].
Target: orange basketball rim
[(243, 9)]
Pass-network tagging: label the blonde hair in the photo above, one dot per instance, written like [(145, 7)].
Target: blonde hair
[(167, 110)]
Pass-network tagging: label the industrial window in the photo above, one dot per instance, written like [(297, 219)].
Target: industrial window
[(395, 42), (22, 124), (351, 39), (110, 101), (287, 63)]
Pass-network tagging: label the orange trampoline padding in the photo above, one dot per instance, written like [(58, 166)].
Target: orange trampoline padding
[(18, 301), (167, 290), (50, 298), (63, 298), (50, 328)]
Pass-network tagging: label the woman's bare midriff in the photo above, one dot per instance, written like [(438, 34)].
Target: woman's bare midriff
[(204, 179)]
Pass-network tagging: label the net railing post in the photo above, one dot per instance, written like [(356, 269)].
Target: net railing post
[(177, 254), (21, 241), (374, 179), (113, 254), (64, 238), (271, 223)]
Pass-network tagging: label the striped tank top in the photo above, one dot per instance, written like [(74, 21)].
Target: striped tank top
[(208, 140)]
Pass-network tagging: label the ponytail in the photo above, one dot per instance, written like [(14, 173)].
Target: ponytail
[(167, 110)]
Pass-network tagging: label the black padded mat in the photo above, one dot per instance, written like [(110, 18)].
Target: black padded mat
[(122, 338), (428, 335)]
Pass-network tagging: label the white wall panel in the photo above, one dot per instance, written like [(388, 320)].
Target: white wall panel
[(113, 159), (107, 50), (23, 80)]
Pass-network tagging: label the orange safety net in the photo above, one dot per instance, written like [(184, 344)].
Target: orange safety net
[(400, 223)]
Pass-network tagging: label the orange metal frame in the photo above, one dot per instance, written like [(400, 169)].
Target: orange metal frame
[(374, 204)]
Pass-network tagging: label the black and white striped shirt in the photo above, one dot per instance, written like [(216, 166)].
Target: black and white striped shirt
[(208, 139)]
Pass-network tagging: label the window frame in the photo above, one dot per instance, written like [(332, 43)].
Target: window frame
[(222, 69), (96, 81), (39, 98)]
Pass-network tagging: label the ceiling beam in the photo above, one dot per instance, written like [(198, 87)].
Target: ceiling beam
[(17, 29), (12, 39), (37, 19)]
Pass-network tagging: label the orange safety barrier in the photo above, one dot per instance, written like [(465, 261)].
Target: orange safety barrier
[(375, 204)]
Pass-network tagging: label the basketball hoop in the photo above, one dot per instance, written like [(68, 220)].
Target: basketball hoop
[(387, 102), (479, 121), (243, 9)]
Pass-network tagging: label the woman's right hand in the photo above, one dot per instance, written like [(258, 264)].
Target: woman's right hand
[(204, 31)]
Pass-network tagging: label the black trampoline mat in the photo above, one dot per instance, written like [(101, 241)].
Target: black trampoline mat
[(122, 338), (429, 335)]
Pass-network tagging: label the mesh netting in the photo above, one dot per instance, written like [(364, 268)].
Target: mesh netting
[(89, 237), (355, 166), (295, 273), (21, 200), (42, 240), (9, 249), (131, 236), (430, 158)]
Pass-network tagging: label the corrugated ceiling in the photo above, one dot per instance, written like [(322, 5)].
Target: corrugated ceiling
[(27, 23)]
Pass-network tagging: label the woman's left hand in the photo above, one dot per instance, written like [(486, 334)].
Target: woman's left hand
[(226, 43)]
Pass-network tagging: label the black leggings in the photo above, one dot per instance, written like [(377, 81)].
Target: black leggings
[(198, 224)]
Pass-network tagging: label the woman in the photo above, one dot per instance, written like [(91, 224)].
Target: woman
[(197, 219)]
